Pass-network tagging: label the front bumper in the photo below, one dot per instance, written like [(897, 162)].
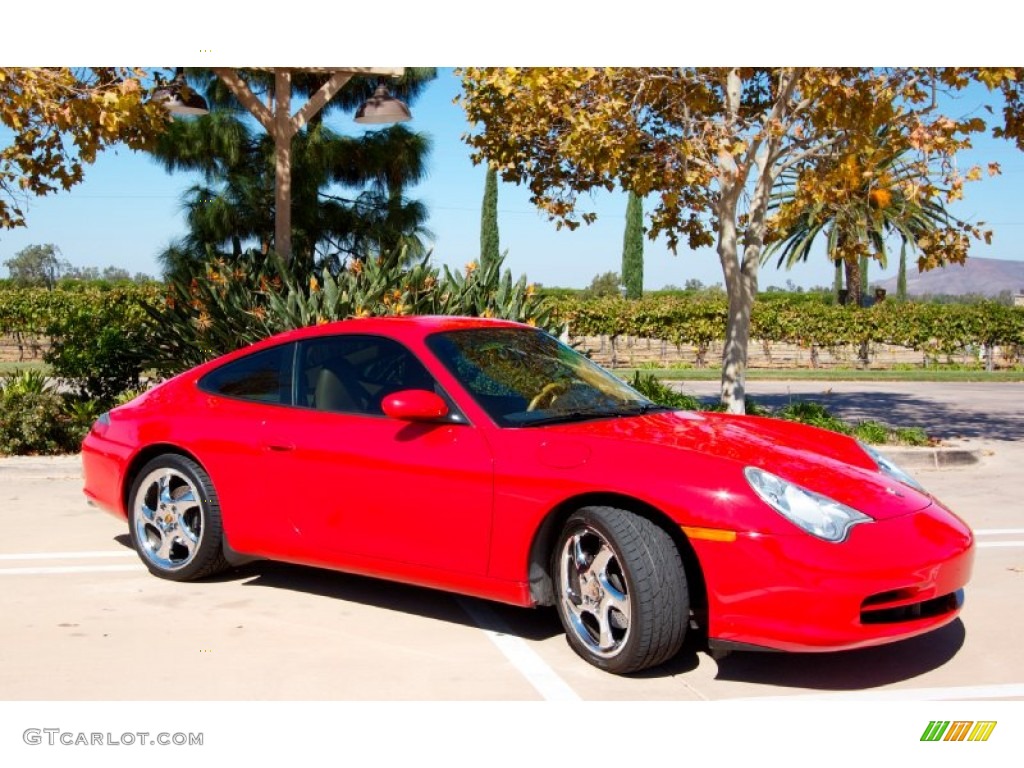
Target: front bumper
[(889, 580)]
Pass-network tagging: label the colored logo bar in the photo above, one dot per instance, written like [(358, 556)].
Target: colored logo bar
[(958, 730)]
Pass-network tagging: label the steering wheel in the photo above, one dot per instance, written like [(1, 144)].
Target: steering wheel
[(548, 395)]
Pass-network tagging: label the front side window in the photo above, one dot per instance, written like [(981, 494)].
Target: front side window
[(353, 373), (524, 377), (262, 376)]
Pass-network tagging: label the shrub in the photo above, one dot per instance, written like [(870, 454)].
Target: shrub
[(662, 394), (26, 381), (875, 432), (33, 418), (250, 298), (872, 432), (96, 344), (814, 414), (81, 415), (910, 436)]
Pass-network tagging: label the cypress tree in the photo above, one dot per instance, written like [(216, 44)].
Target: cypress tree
[(633, 248), (489, 221), (901, 278)]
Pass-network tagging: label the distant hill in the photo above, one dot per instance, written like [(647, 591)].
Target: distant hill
[(988, 277)]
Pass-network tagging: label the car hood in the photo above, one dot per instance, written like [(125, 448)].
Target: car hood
[(819, 460)]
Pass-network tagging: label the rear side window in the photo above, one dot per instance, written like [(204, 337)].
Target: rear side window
[(262, 376)]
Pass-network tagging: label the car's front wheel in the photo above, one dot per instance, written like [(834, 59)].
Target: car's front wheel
[(621, 590), (175, 521)]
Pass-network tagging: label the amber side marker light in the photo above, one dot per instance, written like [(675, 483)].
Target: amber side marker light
[(709, 534)]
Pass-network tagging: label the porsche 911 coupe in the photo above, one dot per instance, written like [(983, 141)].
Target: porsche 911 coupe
[(487, 458)]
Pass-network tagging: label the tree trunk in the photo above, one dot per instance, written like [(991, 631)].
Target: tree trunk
[(741, 288), (852, 265), (737, 341), (741, 274)]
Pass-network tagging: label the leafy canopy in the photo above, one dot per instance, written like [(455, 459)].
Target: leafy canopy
[(61, 118), (234, 204), (710, 143), (681, 133)]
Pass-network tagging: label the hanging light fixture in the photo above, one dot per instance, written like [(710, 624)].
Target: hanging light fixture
[(382, 107), (179, 99)]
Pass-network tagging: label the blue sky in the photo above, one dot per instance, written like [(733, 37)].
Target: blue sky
[(128, 210)]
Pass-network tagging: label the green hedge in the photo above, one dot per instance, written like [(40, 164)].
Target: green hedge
[(40, 311), (96, 334), (698, 321), (942, 329)]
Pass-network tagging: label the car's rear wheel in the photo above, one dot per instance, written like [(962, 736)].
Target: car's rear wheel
[(175, 521), (621, 590)]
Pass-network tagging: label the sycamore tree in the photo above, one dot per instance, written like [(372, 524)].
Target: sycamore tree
[(710, 144), (60, 118)]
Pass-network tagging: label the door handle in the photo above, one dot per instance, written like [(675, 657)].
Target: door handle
[(280, 447)]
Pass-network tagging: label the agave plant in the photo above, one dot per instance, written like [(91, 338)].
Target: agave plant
[(378, 286), (489, 291), (211, 314), (33, 416), (239, 301), (25, 381)]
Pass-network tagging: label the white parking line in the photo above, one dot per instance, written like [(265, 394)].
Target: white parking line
[(998, 531), (70, 555), (952, 693), (989, 544), (70, 569), (531, 666)]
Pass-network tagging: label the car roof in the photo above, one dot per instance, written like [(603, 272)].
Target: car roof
[(398, 326)]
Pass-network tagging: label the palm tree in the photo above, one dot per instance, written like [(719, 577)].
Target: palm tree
[(234, 204), (878, 194), (914, 222)]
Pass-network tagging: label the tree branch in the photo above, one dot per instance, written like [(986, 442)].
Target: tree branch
[(320, 98), (241, 91)]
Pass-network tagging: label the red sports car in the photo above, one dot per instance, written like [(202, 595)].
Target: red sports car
[(487, 458)]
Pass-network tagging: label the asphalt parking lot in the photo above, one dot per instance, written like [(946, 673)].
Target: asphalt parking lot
[(83, 620)]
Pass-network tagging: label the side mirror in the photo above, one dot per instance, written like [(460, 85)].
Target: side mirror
[(414, 405)]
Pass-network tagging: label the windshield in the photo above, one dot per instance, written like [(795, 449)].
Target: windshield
[(524, 377)]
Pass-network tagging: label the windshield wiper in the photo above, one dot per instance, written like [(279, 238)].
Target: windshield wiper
[(582, 415), (643, 408), (568, 416)]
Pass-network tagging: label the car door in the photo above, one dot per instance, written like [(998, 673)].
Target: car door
[(358, 483), (234, 404)]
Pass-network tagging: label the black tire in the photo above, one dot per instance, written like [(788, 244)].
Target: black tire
[(621, 590), (174, 520)]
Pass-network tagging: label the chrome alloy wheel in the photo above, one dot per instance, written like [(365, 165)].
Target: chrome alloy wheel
[(595, 597), (168, 519)]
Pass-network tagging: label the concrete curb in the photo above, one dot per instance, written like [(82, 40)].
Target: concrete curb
[(933, 458), (41, 467)]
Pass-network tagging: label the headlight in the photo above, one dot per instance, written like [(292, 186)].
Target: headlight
[(888, 467), (818, 515)]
